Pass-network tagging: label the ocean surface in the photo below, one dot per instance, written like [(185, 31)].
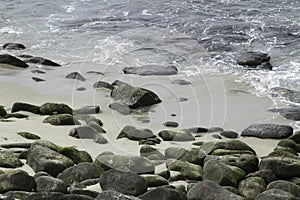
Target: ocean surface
[(199, 37)]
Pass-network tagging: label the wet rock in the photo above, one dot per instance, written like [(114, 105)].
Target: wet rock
[(229, 134), (290, 95), (29, 136), (87, 110), (102, 84), (254, 60), (61, 120), (134, 97), (2, 111), (275, 194), (285, 186), (296, 137), (50, 184), (273, 131), (36, 79), (11, 60), (232, 147), (222, 174), (121, 108), (183, 135), (76, 76), (9, 160), (125, 182), (267, 175), (136, 164), (16, 180), (163, 193), (188, 170), (13, 46), (251, 187), (292, 113), (216, 136), (195, 155), (114, 195), (19, 106), (15, 195), (147, 70), (151, 153), (83, 132), (42, 61), (181, 82), (80, 172), (171, 124), (155, 180), (75, 155), (55, 108), (15, 115), (208, 190), (133, 133), (88, 119), (42, 158)]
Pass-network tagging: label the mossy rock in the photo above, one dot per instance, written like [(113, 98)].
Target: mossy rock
[(187, 170), (2, 111), (15, 115), (229, 134), (29, 135), (55, 108), (75, 155), (19, 106), (289, 143), (61, 119), (195, 155), (132, 133), (9, 160), (155, 180), (48, 144)]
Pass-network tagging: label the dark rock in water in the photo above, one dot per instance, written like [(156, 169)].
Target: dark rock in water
[(268, 131), (83, 132), (14, 46), (80, 172), (9, 160), (102, 84), (76, 76), (163, 193), (126, 182), (29, 136), (18, 181), (285, 186), (81, 89), (36, 79), (275, 194), (2, 111), (188, 170), (121, 108), (254, 60), (198, 130), (209, 190), (151, 153), (292, 113), (135, 164), (61, 120), (37, 71), (42, 158), (133, 133), (251, 187), (87, 110), (147, 70), (19, 106), (290, 95), (11, 60), (75, 155), (55, 108), (42, 61), (183, 135), (50, 184), (95, 72), (229, 134), (114, 195), (181, 82), (171, 124), (15, 115), (134, 97)]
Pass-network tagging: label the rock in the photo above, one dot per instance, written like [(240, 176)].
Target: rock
[(181, 82), (216, 136), (88, 119), (11, 60), (83, 132), (42, 61), (2, 111), (114, 195), (155, 180), (151, 153), (15, 115), (290, 95), (76, 76), (171, 124), (133, 133), (289, 144), (209, 190), (19, 106), (275, 194), (168, 135), (96, 126), (57, 196), (198, 130), (163, 193), (47, 144), (55, 108), (37, 71), (121, 108), (222, 174), (81, 89), (9, 160), (42, 158), (237, 146), (273, 131), (87, 110), (285, 186), (61, 120), (126, 182), (78, 188), (50, 184), (296, 137), (134, 97), (187, 170), (36, 79), (16, 180), (80, 172), (254, 60), (195, 155), (29, 136), (267, 175), (99, 139), (214, 129), (292, 113), (75, 155), (229, 134), (251, 187), (15, 195), (13, 46), (147, 70), (136, 164), (150, 141), (102, 84), (95, 72)]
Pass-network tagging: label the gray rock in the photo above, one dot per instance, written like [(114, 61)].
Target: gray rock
[(75, 155), (133, 133), (254, 60), (99, 139), (9, 160), (16, 180), (50, 184), (15, 115), (11, 60), (13, 46), (87, 110), (292, 113), (102, 84), (37, 71), (57, 196), (275, 194), (125, 182), (88, 119), (96, 126), (78, 188), (290, 95), (187, 170), (183, 135), (147, 70), (19, 106), (121, 108), (153, 180), (285, 186), (61, 120), (251, 187), (273, 131), (267, 175), (80, 172), (75, 76), (42, 61), (2, 111), (134, 97), (151, 153), (296, 137), (114, 195), (171, 124), (163, 193), (229, 134), (55, 108), (36, 79), (84, 132), (181, 82), (195, 155)]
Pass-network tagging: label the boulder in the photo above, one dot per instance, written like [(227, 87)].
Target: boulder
[(229, 134), (195, 155), (124, 181), (75, 155), (151, 153), (16, 181), (61, 120), (9, 160), (134, 97), (272, 131), (80, 172), (183, 135), (133, 133), (87, 110), (254, 60), (147, 70), (251, 187), (55, 108), (163, 193), (275, 194), (13, 46), (292, 113), (42, 61), (75, 76), (285, 186), (83, 132), (233, 147), (102, 84), (42, 158), (267, 175), (19, 106), (155, 180), (11, 60), (78, 188), (88, 119), (289, 145), (121, 108), (50, 184), (114, 195), (188, 170), (290, 95), (99, 139)]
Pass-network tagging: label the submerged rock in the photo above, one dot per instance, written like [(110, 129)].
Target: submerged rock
[(292, 113), (61, 120), (229, 134), (36, 79), (147, 70), (2, 111), (13, 46), (151, 153), (15, 115), (11, 60), (273, 131), (254, 60), (290, 95), (102, 84), (76, 76), (19, 106), (29, 136), (184, 135), (42, 61), (171, 124)]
